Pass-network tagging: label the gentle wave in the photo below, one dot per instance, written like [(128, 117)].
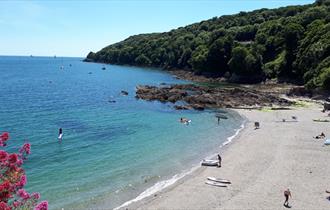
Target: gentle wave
[(166, 183), (230, 139), (158, 187)]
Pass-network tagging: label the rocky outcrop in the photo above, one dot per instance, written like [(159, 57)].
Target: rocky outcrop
[(326, 106), (200, 97)]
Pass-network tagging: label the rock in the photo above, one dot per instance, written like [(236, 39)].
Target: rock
[(198, 107), (326, 106), (182, 107), (199, 97), (299, 91)]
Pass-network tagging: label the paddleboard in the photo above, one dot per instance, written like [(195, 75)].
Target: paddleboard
[(60, 136), (225, 181), (215, 184)]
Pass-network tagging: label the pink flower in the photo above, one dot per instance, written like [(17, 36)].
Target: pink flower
[(22, 181), (42, 206), (16, 204), (35, 195), (4, 136), (26, 148), (4, 206), (19, 162), (23, 194), (3, 155), (13, 158)]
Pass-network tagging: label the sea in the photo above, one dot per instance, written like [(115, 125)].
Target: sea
[(115, 149)]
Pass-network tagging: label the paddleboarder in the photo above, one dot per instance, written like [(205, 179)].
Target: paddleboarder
[(60, 134)]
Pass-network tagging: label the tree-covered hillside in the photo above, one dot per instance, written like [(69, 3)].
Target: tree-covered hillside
[(289, 43)]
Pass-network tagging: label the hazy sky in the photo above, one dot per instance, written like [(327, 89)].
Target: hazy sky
[(73, 28)]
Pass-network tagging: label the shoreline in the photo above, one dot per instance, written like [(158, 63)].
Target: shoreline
[(177, 178), (261, 172)]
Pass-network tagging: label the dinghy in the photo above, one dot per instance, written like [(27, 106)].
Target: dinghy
[(210, 163)]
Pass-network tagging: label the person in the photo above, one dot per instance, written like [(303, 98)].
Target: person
[(321, 136), (220, 159), (218, 120), (287, 194), (184, 120), (256, 125), (60, 134)]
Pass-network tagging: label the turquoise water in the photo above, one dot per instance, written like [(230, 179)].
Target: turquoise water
[(111, 152)]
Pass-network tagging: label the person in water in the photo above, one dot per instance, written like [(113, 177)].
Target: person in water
[(287, 194), (184, 120), (219, 159)]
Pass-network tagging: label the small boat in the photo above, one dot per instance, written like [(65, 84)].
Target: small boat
[(327, 142), (215, 184), (210, 163), (225, 181)]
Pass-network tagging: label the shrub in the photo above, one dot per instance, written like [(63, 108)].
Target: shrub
[(13, 179)]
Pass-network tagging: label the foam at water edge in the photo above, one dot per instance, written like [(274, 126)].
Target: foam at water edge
[(163, 184), (229, 139), (158, 187)]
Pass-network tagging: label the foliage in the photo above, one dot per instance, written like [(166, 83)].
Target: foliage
[(13, 179), (286, 43)]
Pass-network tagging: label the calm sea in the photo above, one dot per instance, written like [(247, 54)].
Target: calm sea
[(114, 147)]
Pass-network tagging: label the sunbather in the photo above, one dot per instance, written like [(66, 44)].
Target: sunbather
[(321, 136)]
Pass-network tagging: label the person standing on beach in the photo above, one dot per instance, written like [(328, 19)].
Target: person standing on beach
[(219, 158), (287, 194)]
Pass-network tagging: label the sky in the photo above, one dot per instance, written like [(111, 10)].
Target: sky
[(76, 27)]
